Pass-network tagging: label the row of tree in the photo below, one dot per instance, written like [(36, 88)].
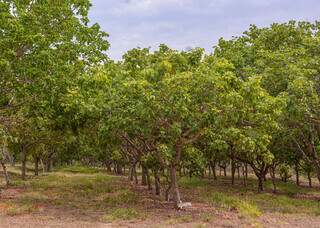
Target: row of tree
[(253, 102)]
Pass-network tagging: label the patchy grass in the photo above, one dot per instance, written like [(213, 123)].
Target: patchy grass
[(180, 219), (245, 200), (75, 188), (193, 182), (245, 208), (91, 194), (80, 169), (122, 214)]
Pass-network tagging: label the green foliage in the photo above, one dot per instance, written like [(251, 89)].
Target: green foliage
[(254, 101)]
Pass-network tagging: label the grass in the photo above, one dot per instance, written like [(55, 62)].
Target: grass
[(72, 188), (248, 202), (82, 191), (180, 219), (80, 169), (244, 207), (122, 214)]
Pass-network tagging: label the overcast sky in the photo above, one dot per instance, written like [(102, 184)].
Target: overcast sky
[(190, 23)]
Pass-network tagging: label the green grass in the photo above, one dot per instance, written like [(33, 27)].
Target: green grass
[(245, 200), (90, 191), (71, 188), (80, 169), (122, 214), (244, 207)]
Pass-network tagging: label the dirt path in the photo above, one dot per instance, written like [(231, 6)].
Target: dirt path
[(224, 219)]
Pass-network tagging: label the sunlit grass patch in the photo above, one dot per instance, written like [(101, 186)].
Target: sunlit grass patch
[(122, 214), (17, 208), (233, 203), (123, 197), (180, 219), (285, 204), (193, 182), (80, 169)]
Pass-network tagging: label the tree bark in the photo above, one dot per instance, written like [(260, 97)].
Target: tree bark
[(144, 176), (309, 179), (260, 183), (5, 172), (119, 169), (23, 162), (213, 169), (244, 176), (272, 174), (233, 171), (297, 175), (174, 186), (157, 182), (36, 166), (149, 181)]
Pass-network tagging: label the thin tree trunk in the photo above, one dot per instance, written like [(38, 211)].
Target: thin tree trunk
[(174, 186), (260, 183), (131, 173), (36, 165), (144, 176), (309, 179), (272, 174), (135, 175), (157, 182), (297, 175), (233, 170), (5, 172), (213, 168), (149, 181), (246, 170), (244, 176), (23, 162)]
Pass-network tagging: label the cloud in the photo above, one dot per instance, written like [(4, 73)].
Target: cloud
[(184, 23)]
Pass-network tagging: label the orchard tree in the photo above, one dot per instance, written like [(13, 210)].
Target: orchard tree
[(45, 45)]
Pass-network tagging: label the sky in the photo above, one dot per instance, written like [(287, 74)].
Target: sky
[(184, 24)]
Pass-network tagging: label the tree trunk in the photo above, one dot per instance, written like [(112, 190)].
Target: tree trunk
[(233, 171), (272, 174), (244, 176), (297, 175), (5, 172), (108, 166), (131, 173), (136, 176), (213, 169), (23, 162), (174, 186), (119, 169), (157, 182), (318, 174), (309, 179), (260, 183), (246, 170), (149, 181), (144, 176), (48, 165), (36, 165)]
